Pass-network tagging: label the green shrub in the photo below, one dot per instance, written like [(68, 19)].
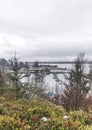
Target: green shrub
[(21, 115)]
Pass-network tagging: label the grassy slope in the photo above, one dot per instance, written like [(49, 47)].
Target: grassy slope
[(23, 115)]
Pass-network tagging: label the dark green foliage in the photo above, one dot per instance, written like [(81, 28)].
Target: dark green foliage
[(2, 82), (77, 87), (15, 76)]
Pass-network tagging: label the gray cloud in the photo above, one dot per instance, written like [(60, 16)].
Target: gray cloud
[(46, 27)]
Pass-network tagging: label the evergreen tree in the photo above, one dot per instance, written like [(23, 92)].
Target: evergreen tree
[(2, 83), (77, 88), (16, 76)]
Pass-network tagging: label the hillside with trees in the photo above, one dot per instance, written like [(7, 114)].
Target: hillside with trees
[(25, 106)]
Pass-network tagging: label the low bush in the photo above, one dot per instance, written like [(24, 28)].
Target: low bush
[(41, 115)]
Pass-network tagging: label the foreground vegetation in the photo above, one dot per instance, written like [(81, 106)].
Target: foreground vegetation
[(41, 115), (29, 110)]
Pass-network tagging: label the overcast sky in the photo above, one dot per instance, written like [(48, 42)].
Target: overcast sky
[(45, 28)]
